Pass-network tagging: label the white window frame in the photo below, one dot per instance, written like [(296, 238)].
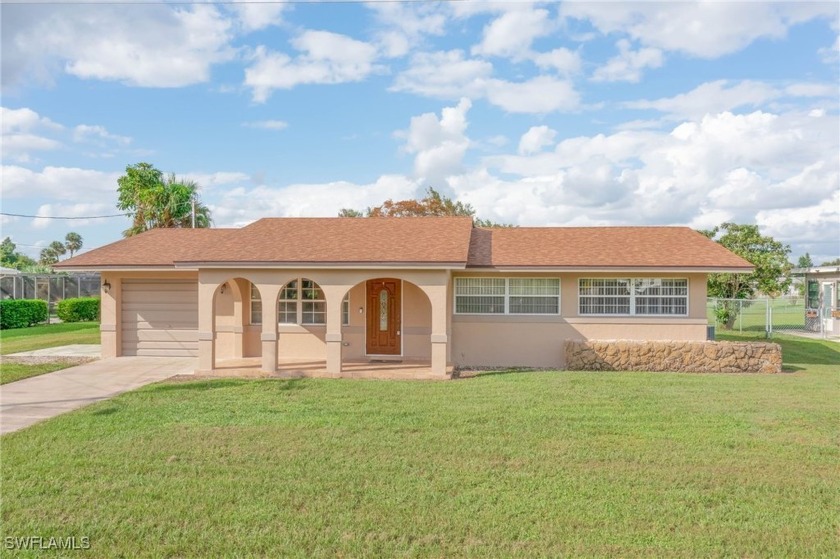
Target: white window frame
[(299, 301), (345, 310), (258, 299), (507, 296), (633, 295)]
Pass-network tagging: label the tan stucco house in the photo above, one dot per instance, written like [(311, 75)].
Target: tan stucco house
[(435, 291)]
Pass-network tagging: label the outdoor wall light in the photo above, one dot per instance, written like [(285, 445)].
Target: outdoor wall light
[(106, 287), (224, 286), (361, 310)]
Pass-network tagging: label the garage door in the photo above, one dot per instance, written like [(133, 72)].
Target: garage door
[(160, 317)]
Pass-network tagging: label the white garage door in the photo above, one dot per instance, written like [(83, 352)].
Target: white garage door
[(160, 317)]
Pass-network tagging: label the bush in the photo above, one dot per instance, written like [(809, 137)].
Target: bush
[(80, 309), (20, 313)]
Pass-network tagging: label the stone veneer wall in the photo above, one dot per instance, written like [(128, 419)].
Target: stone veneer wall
[(686, 357)]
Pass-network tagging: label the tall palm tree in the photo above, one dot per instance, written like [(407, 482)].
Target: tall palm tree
[(73, 242)]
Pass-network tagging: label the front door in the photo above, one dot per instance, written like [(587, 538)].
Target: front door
[(383, 317)]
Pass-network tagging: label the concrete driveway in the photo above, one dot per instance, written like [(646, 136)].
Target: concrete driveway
[(31, 400)]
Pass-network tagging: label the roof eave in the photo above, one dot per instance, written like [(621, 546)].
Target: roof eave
[(608, 269), (324, 265)]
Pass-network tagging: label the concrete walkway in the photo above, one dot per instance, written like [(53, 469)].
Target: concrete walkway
[(72, 350), (34, 399)]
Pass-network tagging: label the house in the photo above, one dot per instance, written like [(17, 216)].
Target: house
[(822, 300), (431, 290)]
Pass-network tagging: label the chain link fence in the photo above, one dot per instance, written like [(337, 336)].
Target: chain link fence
[(766, 316)]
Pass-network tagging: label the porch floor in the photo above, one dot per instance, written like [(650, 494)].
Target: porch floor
[(249, 367)]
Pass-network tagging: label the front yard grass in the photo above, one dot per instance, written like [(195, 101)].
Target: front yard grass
[(529, 464), (40, 337), (48, 335)]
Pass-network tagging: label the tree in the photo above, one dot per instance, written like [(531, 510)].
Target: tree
[(73, 242), (11, 258), (771, 275), (48, 256), (434, 204), (835, 262), (154, 201)]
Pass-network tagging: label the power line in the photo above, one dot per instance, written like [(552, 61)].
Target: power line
[(63, 216), (230, 2)]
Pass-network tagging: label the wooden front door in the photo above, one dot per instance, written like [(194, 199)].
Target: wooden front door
[(383, 317)]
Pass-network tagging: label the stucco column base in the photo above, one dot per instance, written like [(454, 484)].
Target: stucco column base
[(269, 352), (108, 339), (439, 343), (206, 351), (334, 350)]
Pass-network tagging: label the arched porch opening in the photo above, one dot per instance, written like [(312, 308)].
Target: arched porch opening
[(237, 316)]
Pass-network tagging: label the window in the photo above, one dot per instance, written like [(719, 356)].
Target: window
[(345, 310), (813, 294), (256, 305), (507, 295), (633, 296), (301, 301)]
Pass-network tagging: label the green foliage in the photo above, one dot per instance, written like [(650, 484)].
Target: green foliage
[(434, 204), (73, 242), (10, 258), (78, 309), (154, 201), (835, 262), (20, 313), (805, 261)]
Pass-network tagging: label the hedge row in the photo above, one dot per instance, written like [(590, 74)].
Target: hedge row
[(20, 313), (79, 309)]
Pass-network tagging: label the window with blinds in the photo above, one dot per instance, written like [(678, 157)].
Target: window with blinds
[(507, 296)]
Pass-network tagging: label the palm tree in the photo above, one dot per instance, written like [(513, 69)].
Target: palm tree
[(73, 242), (58, 248), (48, 256), (153, 200)]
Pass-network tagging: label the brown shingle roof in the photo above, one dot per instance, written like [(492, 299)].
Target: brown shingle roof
[(154, 248), (421, 240), (599, 247), (346, 240)]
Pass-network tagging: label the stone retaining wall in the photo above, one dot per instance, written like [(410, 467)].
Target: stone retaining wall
[(686, 357)]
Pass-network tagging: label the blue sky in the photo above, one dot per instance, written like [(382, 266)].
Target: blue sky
[(536, 113)]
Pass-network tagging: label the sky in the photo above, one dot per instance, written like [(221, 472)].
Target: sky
[(536, 113)]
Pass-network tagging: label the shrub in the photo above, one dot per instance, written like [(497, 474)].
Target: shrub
[(20, 313), (80, 309)]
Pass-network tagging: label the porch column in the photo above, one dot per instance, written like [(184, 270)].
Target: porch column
[(334, 295), (111, 316), (243, 288), (440, 339), (206, 326), (268, 336)]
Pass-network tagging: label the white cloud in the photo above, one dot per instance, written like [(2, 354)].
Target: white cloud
[(702, 29), (62, 183), (327, 58), (439, 144), (207, 181), (561, 60), (137, 44), (512, 33), (267, 124), (711, 97), (23, 132), (256, 16), (535, 139), (629, 64), (539, 95), (404, 26), (444, 75), (241, 205), (45, 211), (98, 135), (448, 75)]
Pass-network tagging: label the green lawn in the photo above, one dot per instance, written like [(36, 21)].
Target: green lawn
[(48, 335), (536, 464), (39, 337), (10, 372)]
